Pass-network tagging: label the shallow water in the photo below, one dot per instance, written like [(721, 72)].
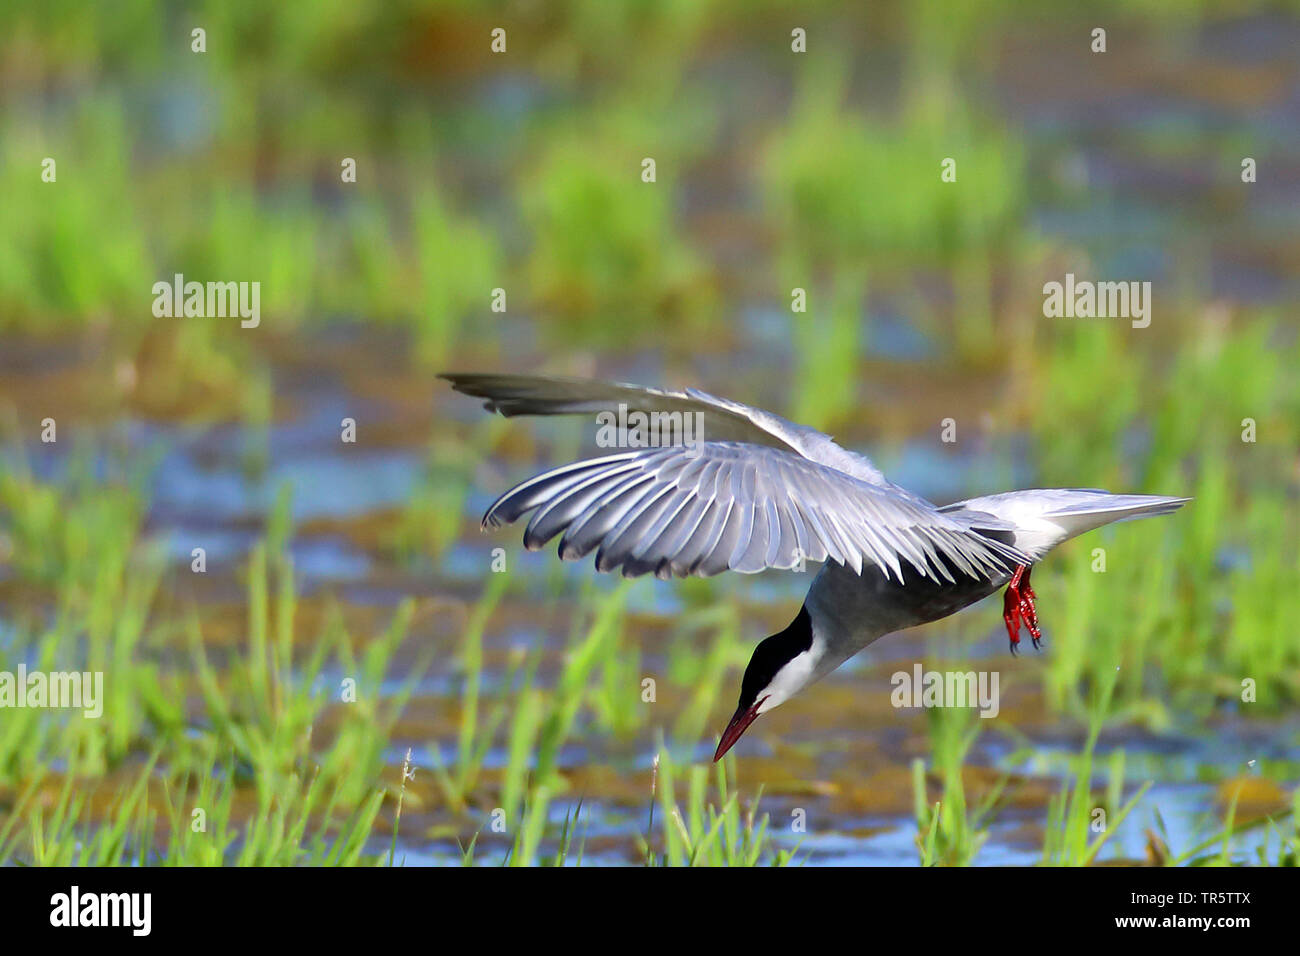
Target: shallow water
[(208, 489), (202, 493)]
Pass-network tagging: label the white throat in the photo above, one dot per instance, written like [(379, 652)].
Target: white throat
[(801, 671)]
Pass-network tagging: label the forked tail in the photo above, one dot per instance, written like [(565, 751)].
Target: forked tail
[(1042, 518)]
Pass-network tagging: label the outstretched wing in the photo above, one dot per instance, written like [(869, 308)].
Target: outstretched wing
[(720, 419), (717, 506)]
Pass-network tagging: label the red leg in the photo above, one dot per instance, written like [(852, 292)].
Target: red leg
[(1011, 617), (1018, 605), (1011, 608), (1029, 609)]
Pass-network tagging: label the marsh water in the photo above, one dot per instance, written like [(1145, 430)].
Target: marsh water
[(840, 756)]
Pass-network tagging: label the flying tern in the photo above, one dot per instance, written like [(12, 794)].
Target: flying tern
[(755, 491)]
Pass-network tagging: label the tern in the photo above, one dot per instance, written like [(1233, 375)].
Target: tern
[(754, 491)]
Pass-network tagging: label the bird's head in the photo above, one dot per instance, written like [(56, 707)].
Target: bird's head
[(782, 665)]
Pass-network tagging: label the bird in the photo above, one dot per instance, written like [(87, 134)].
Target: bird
[(702, 484)]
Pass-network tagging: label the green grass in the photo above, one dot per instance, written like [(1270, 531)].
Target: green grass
[(706, 833), (534, 723), (950, 831), (128, 784), (604, 242), (846, 189), (227, 166), (1227, 566), (1078, 823)]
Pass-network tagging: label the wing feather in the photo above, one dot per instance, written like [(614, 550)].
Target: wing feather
[(712, 418), (734, 506)]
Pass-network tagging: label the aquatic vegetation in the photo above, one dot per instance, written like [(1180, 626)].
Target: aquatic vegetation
[(950, 831), (709, 834), (852, 189), (555, 720), (152, 769), (604, 242), (846, 188), (69, 256), (1079, 825), (1238, 537)]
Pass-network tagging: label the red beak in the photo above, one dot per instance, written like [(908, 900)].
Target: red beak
[(739, 721)]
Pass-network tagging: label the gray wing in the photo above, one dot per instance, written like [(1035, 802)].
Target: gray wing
[(701, 510), (720, 419)]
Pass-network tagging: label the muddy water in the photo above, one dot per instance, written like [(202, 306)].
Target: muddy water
[(842, 756)]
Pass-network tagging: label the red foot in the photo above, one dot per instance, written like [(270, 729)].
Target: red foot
[(1018, 606)]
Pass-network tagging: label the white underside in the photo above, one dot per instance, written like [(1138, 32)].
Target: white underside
[(846, 616)]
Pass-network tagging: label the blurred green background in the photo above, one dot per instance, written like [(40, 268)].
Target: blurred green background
[(517, 697)]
